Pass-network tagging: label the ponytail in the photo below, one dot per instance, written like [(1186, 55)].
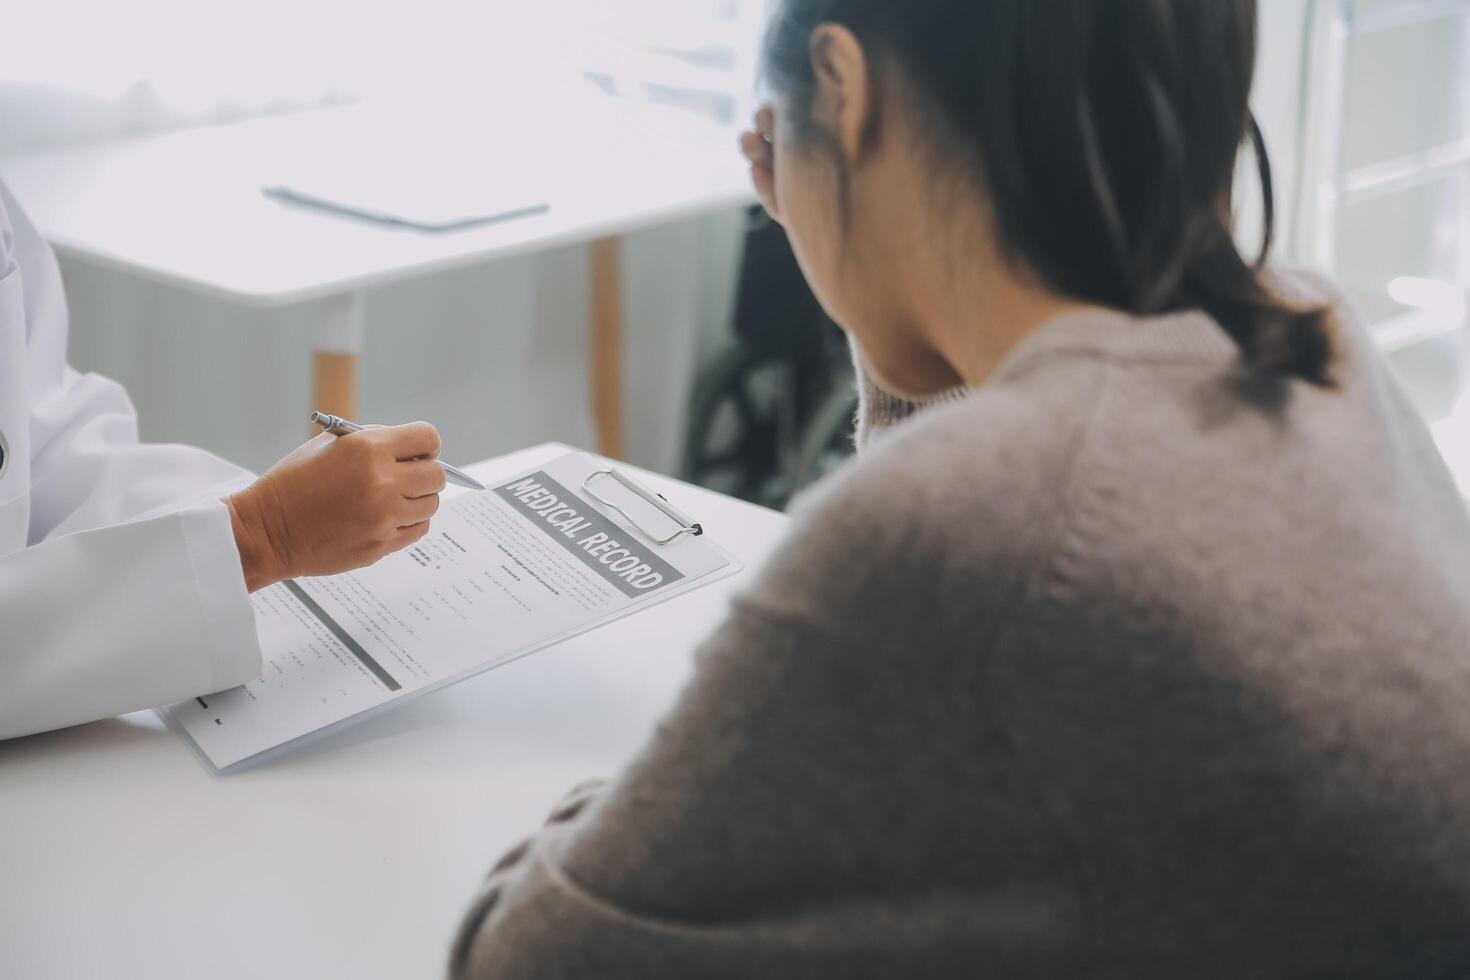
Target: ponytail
[(1105, 138), (1273, 336)]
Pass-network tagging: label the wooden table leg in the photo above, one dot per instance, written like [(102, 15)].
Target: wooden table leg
[(334, 383), (334, 361), (606, 322)]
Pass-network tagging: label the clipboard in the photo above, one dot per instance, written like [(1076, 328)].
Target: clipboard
[(560, 549), (656, 500)]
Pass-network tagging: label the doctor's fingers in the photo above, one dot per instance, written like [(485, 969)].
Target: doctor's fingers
[(416, 440), (418, 511), (419, 478), (407, 536)]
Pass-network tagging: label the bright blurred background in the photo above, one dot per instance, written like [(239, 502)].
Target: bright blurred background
[(1366, 104)]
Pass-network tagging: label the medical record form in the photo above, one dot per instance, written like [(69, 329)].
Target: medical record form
[(535, 559)]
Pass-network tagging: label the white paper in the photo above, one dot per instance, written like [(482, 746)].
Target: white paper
[(502, 573)]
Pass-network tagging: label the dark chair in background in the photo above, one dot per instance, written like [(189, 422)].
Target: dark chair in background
[(774, 412)]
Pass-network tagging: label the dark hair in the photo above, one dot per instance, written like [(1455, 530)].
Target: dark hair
[(1105, 136)]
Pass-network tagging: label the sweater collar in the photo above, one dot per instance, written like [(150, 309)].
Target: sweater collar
[(1189, 336)]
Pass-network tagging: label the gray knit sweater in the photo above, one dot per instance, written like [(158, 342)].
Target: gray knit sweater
[(1125, 665)]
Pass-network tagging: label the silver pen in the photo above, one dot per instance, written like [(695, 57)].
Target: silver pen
[(341, 427)]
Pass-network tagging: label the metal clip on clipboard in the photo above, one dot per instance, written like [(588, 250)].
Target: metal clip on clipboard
[(658, 501)]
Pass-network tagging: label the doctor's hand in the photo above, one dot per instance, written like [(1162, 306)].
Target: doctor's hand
[(337, 504)]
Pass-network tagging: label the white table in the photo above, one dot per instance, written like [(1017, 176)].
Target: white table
[(121, 857), (187, 209)]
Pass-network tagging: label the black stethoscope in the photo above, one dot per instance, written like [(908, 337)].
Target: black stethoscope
[(4, 455)]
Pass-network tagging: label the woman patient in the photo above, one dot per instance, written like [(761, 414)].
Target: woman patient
[(1134, 645)]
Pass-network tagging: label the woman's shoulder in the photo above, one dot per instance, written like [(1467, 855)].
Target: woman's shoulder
[(953, 505)]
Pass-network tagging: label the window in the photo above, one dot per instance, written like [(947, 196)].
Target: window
[(1385, 205), (695, 53)]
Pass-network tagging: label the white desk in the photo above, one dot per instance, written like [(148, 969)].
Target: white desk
[(120, 856), (186, 209)]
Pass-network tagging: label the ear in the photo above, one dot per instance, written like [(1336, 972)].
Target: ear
[(844, 102)]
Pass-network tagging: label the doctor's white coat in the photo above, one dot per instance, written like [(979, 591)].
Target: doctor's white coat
[(120, 584)]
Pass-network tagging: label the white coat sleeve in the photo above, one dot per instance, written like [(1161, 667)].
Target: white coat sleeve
[(116, 619), (129, 593)]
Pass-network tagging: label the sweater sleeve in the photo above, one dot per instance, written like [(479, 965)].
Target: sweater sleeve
[(770, 825)]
